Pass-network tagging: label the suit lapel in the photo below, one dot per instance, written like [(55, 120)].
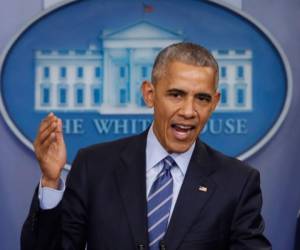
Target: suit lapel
[(191, 200), (131, 179)]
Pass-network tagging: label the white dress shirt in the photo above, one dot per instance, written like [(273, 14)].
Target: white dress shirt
[(155, 153)]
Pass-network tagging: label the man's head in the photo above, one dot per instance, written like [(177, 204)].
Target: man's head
[(183, 94), (188, 53)]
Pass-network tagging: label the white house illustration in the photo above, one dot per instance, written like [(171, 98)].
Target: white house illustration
[(106, 78), (235, 79)]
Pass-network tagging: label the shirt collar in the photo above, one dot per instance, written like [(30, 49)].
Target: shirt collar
[(155, 153)]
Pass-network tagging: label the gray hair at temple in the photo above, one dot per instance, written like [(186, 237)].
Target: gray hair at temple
[(184, 52)]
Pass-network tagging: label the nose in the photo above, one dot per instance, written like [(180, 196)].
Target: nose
[(187, 109)]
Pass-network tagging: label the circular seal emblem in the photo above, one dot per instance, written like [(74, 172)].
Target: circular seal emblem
[(85, 61)]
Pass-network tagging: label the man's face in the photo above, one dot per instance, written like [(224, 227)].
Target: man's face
[(183, 100)]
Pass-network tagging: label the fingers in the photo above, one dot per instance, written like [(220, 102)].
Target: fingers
[(49, 140), (59, 134), (59, 125), (48, 128), (47, 122), (52, 128)]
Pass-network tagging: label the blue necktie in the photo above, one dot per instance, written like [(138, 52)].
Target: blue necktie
[(159, 204)]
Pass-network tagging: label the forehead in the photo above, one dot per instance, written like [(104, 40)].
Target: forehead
[(186, 75)]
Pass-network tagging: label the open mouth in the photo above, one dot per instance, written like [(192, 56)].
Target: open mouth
[(182, 131)]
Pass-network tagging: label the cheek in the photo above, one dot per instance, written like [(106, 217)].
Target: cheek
[(164, 110), (203, 116), (163, 118), (160, 118)]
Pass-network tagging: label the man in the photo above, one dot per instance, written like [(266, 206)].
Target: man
[(162, 189)]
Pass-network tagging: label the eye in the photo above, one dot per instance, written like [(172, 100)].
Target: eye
[(175, 94), (204, 97)]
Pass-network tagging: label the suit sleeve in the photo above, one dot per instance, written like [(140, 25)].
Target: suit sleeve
[(248, 225), (63, 227), (41, 229), (74, 206)]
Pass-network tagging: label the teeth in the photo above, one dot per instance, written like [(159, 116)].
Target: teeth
[(184, 126)]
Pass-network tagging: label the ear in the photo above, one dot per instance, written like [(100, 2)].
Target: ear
[(216, 99), (148, 93)]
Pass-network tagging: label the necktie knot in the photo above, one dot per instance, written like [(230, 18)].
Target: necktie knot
[(169, 163)]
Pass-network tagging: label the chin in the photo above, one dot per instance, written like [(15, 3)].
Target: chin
[(178, 148)]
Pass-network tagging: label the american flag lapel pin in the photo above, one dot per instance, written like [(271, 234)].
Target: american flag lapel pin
[(202, 189)]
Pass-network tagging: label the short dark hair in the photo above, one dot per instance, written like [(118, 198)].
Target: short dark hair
[(186, 52)]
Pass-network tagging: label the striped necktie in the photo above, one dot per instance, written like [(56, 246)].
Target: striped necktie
[(159, 204)]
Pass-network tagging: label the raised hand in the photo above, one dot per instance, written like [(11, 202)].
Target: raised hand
[(50, 150)]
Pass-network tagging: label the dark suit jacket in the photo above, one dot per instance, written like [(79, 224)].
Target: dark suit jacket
[(105, 204)]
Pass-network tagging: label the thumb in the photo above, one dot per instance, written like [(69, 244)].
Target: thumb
[(59, 132)]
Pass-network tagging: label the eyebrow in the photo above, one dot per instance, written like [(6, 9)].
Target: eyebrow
[(204, 95), (180, 91), (176, 90)]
